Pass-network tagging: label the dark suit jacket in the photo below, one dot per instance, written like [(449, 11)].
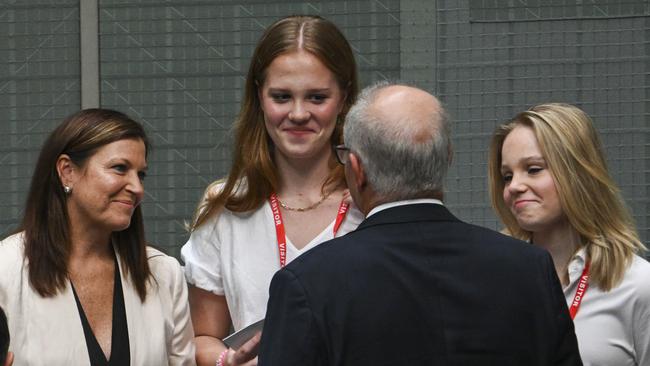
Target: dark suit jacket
[(413, 285)]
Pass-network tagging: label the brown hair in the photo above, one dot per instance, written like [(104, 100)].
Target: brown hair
[(46, 223), (589, 196), (253, 168)]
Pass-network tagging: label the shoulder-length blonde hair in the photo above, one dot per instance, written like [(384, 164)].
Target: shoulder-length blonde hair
[(253, 174), (589, 197)]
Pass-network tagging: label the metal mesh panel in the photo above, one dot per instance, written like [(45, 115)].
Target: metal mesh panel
[(39, 86), (489, 71), (179, 67), (524, 10)]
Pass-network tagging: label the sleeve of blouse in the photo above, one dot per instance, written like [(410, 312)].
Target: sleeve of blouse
[(642, 319), (202, 257), (181, 348)]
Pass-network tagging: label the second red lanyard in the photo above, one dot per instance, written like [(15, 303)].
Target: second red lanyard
[(583, 285)]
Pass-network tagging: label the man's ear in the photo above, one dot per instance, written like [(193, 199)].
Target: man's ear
[(357, 169), (10, 359), (66, 170)]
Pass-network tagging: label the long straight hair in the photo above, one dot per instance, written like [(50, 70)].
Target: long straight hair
[(589, 197), (253, 174), (46, 224)]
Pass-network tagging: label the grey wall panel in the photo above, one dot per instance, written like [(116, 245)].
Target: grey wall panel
[(179, 67), (418, 44), (526, 10), (490, 70), (39, 86)]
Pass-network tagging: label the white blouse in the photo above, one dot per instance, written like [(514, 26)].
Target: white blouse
[(236, 255), (613, 328), (48, 331)]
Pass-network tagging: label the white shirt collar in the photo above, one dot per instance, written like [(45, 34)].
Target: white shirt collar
[(388, 205), (576, 265)]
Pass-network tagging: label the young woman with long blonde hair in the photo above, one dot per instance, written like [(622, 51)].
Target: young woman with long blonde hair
[(549, 184)]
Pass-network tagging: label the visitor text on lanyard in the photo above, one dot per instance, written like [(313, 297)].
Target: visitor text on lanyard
[(583, 284), (279, 225)]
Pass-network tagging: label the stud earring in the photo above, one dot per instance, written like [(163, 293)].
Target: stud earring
[(67, 190)]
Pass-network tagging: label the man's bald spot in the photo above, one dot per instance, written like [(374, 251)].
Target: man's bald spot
[(407, 108)]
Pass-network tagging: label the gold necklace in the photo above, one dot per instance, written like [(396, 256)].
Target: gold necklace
[(302, 209)]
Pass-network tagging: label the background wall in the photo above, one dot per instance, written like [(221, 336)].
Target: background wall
[(178, 66)]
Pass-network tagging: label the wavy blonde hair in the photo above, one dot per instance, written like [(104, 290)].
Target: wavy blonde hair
[(589, 197), (253, 174)]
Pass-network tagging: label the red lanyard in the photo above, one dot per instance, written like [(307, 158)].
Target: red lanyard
[(279, 225), (583, 285)]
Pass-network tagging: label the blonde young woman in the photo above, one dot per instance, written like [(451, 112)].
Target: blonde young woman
[(549, 185), (284, 192)]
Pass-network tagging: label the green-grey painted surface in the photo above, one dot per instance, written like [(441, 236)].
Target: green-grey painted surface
[(179, 67)]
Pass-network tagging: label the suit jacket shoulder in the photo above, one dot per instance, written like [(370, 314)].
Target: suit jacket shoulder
[(415, 275), (418, 226), (163, 266)]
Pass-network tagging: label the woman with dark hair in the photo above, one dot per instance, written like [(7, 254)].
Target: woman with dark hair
[(284, 193), (78, 282), (549, 184)]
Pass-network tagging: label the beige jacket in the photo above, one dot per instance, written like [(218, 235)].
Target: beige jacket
[(48, 331)]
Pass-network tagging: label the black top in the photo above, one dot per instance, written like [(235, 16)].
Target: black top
[(120, 351)]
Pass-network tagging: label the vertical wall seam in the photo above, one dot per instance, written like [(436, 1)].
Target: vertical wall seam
[(89, 52)]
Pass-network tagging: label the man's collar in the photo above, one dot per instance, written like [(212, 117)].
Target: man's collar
[(388, 205)]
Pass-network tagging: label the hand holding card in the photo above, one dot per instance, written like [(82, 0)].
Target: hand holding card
[(237, 339)]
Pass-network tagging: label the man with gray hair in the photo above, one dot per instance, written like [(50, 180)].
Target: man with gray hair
[(413, 285)]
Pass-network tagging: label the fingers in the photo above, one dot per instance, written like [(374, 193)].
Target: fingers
[(247, 353), (249, 349)]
